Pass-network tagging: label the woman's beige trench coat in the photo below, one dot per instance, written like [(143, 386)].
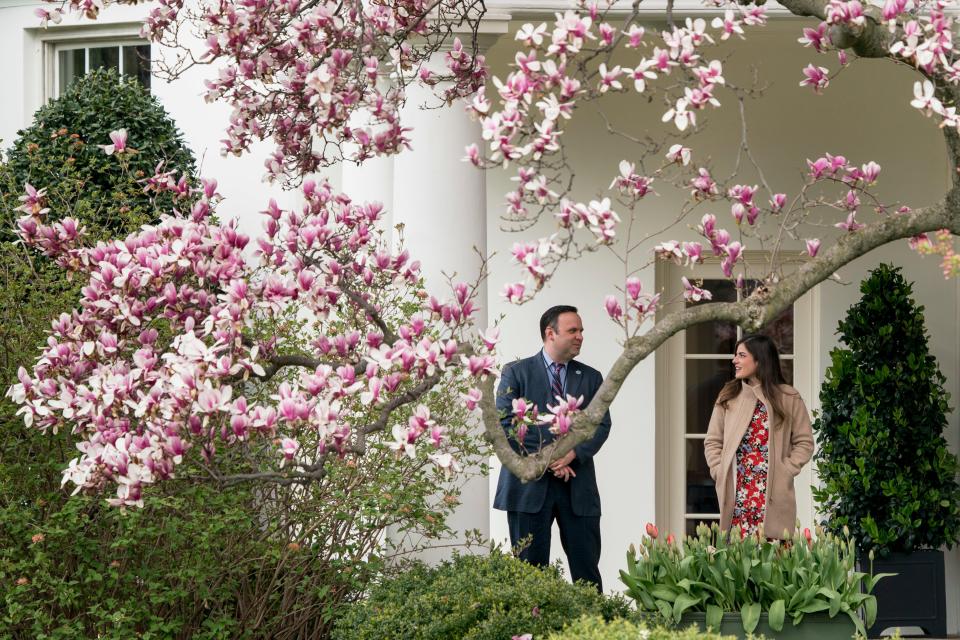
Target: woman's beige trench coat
[(790, 447)]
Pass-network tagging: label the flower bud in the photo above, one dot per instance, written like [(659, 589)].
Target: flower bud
[(652, 530)]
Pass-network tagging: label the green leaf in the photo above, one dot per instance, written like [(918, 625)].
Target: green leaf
[(776, 615), (664, 593), (714, 617), (871, 582), (683, 602), (870, 610), (815, 607), (750, 616), (835, 603)]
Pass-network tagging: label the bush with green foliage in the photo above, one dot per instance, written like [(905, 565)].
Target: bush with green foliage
[(596, 628), (887, 473), (487, 597), (60, 151)]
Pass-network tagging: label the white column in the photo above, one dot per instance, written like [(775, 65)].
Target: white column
[(441, 203)]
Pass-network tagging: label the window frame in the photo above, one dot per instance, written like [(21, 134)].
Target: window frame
[(670, 367), (40, 54), (58, 46)]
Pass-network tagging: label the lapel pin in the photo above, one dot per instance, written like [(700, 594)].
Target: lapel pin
[(577, 371)]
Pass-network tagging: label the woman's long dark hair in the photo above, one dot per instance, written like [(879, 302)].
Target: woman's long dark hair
[(769, 373)]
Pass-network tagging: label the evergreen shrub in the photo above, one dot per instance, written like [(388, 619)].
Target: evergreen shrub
[(887, 473)]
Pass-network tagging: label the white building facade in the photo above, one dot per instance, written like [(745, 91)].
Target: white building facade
[(651, 468)]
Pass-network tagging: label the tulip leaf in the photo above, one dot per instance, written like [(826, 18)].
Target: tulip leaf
[(871, 582), (714, 617), (683, 602), (776, 615), (815, 607), (835, 603), (750, 616), (664, 593), (870, 610), (665, 609)]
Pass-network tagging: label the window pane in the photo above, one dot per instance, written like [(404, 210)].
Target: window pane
[(70, 63), (136, 63), (704, 380), (701, 489), (714, 337), (105, 58), (787, 367)]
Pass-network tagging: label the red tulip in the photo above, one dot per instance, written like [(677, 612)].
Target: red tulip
[(670, 539), (652, 530), (808, 536)]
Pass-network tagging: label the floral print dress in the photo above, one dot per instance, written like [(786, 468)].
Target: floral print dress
[(752, 465)]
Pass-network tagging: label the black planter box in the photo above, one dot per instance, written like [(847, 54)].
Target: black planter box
[(915, 597)]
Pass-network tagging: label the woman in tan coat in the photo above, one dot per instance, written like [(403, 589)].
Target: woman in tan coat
[(758, 440)]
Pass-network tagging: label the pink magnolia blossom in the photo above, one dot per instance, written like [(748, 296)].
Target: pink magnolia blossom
[(777, 202), (818, 38), (139, 404), (817, 78), (119, 138), (813, 246), (614, 310), (679, 154), (472, 398), (635, 36), (850, 224)]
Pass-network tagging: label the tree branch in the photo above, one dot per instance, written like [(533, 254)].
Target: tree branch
[(871, 41)]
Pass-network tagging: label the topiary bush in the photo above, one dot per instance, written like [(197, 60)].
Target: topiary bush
[(475, 598), (61, 151), (886, 470), (596, 628)]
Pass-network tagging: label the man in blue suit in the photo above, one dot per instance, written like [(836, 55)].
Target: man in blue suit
[(567, 492)]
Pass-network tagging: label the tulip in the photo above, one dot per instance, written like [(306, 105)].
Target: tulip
[(652, 530)]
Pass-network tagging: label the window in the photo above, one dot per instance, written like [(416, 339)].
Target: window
[(691, 370), (73, 60)]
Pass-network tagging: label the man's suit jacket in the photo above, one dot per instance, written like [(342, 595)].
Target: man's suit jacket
[(528, 378)]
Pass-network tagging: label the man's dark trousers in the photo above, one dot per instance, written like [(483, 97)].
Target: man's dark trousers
[(579, 535)]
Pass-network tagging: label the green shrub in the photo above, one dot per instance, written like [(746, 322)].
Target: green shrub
[(475, 598), (60, 151), (887, 473), (76, 568), (69, 566), (596, 628)]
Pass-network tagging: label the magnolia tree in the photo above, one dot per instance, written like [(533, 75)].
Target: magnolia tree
[(161, 355)]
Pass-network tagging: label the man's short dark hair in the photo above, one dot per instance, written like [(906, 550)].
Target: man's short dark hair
[(551, 316)]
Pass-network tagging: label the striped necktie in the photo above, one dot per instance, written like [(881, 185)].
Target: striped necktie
[(556, 383)]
